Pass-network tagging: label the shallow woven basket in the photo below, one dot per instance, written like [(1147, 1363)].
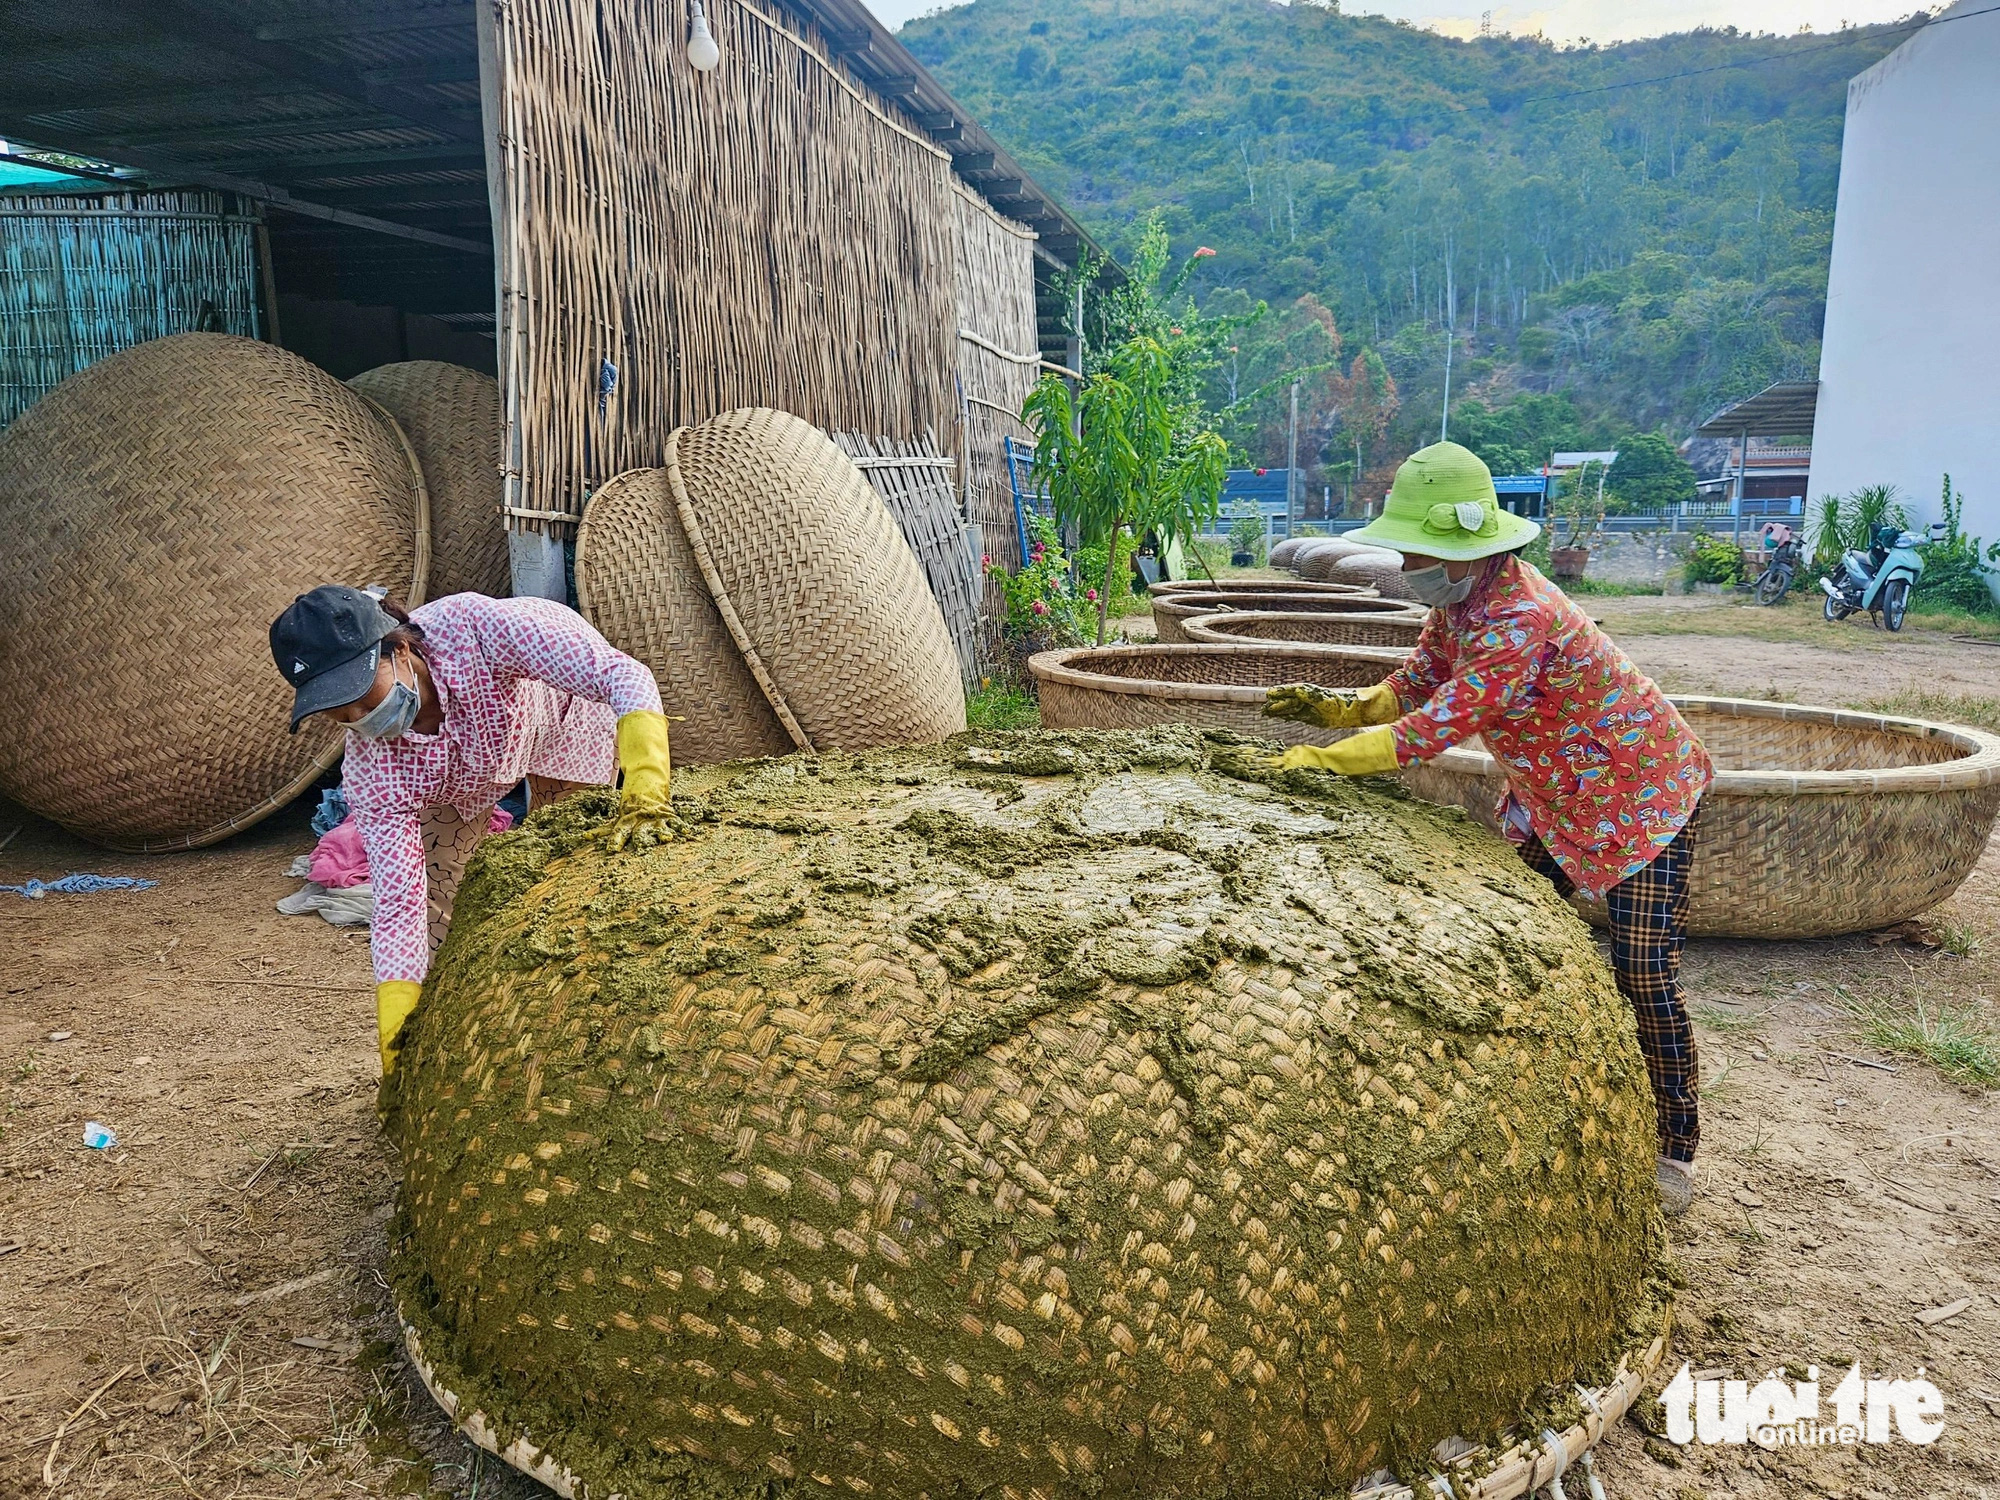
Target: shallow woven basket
[(1246, 586), (1219, 687), (452, 417), (812, 580), (161, 508), (1172, 611), (1819, 822), (1381, 571), (638, 582), (1317, 563), (1302, 627)]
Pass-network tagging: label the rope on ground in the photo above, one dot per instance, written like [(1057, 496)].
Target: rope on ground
[(79, 885)]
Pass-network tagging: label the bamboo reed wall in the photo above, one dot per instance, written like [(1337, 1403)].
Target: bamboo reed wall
[(674, 246), (999, 362), (83, 276)]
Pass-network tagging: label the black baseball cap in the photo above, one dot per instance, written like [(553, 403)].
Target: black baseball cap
[(328, 645)]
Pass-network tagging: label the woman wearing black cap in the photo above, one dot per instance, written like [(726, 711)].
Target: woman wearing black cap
[(447, 708)]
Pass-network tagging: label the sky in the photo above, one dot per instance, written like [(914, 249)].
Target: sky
[(1571, 20)]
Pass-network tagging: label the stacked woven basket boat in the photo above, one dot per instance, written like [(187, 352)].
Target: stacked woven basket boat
[(161, 508)]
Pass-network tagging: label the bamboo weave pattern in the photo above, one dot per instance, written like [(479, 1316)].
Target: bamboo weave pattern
[(452, 417), (178, 496), (871, 1136), (920, 498), (78, 283), (1171, 611), (1304, 629)]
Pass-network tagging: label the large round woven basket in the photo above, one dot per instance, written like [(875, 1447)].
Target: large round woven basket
[(638, 582), (1317, 563), (452, 417), (1171, 611), (1220, 687), (811, 578), (1819, 822), (1302, 627), (1381, 571), (160, 509), (1246, 586)]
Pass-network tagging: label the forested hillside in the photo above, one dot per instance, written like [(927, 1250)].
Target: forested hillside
[(1633, 253)]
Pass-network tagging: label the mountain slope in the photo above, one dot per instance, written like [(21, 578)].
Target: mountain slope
[(1652, 251)]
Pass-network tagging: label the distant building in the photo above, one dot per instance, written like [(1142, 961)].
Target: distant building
[(1776, 469), (1910, 363), (1566, 463)]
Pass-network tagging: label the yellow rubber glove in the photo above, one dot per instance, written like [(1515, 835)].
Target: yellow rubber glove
[(644, 806), (1333, 708), (394, 1000), (1370, 753)]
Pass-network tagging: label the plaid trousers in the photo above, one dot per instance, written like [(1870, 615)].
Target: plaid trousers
[(1649, 923)]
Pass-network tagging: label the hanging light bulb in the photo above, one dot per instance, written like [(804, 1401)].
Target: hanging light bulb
[(703, 54)]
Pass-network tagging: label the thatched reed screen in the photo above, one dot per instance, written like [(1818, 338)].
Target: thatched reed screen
[(999, 362), (674, 245), (83, 276)]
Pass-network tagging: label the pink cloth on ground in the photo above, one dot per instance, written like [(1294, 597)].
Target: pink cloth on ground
[(339, 861)]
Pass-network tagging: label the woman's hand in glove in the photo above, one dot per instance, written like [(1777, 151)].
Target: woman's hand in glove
[(1332, 708), (1370, 753), (645, 809)]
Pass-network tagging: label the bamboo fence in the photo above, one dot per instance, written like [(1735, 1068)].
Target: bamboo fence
[(83, 276), (915, 482), (675, 245)]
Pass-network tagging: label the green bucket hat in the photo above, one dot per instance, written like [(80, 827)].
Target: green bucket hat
[(1442, 505)]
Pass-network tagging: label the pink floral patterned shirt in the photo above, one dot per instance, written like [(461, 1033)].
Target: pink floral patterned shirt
[(528, 688), (1602, 766)]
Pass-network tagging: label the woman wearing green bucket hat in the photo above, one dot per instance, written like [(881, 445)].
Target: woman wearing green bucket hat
[(1603, 774)]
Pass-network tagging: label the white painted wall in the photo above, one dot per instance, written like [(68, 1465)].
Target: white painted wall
[(1910, 366)]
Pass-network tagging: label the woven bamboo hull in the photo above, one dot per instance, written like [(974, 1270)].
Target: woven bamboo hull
[(160, 509), (1838, 848), (871, 1133), (1303, 629), (452, 417), (1215, 687), (1171, 611), (1319, 561), (1245, 586)]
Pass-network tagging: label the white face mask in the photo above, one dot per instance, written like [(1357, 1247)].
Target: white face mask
[(1433, 586), (395, 713)]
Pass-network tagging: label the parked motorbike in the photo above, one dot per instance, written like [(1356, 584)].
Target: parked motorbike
[(1880, 579), (1781, 566)]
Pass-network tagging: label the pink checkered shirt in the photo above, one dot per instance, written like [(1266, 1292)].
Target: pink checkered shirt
[(528, 688)]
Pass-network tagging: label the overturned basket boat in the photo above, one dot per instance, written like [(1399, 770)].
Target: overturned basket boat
[(1303, 627), (1172, 611), (1820, 822), (1220, 687)]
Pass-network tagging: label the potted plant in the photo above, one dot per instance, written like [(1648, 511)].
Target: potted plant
[(1581, 511), (1246, 536)]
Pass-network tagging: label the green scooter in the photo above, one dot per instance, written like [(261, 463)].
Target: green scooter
[(1878, 580)]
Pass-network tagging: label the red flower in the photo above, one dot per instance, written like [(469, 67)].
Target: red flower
[(1262, 472), (1041, 608), (1174, 330), (986, 559), (1203, 253), (1091, 595)]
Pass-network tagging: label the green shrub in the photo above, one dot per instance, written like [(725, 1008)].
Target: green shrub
[(1955, 569), (1713, 559), (1246, 532), (1040, 598)]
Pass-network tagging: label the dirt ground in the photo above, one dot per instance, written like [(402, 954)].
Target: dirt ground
[(199, 1310)]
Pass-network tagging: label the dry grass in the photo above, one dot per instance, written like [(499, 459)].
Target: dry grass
[(1940, 708)]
